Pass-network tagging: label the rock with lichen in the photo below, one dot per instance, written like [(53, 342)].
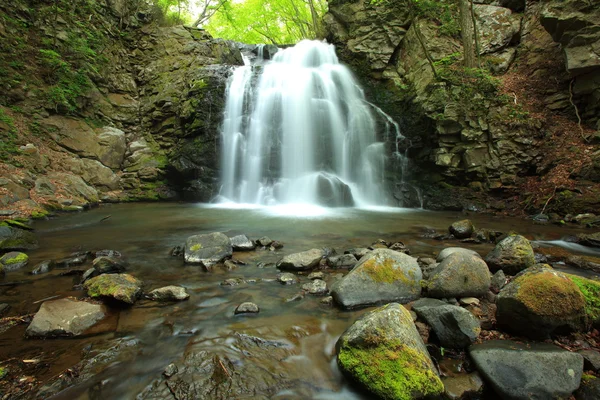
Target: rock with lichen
[(207, 250), (541, 302), (383, 352), (460, 274), (382, 276), (121, 287), (512, 255), (14, 260)]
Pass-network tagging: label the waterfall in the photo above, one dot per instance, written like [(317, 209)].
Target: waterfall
[(297, 129)]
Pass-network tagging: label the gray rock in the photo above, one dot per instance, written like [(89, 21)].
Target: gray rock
[(247, 308), (449, 250), (498, 281), (14, 260), (591, 359), (64, 317), (381, 276), (242, 243), (528, 371), (540, 302), (108, 265), (169, 293), (497, 27), (89, 274), (264, 241), (108, 253), (301, 261), (462, 229), (342, 261), (459, 275), (73, 260), (512, 255), (207, 250), (454, 326), (383, 352), (287, 278), (317, 287), (43, 267)]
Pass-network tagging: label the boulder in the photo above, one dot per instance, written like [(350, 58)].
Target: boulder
[(242, 243), (301, 261), (317, 287), (14, 260), (497, 27), (459, 275), (462, 229), (383, 352), (207, 250), (247, 308), (512, 255), (108, 265), (449, 250), (64, 317), (16, 239), (528, 370), (169, 293), (382, 276), (454, 326), (121, 287), (540, 302)]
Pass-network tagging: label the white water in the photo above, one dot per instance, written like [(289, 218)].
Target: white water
[(297, 130)]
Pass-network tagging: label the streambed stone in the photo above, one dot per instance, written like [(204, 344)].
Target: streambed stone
[(14, 260), (462, 229), (460, 274), (169, 293), (207, 250), (121, 287), (382, 276), (64, 317), (301, 261), (512, 255), (317, 287), (242, 243), (42, 267), (247, 308), (450, 250), (287, 278)]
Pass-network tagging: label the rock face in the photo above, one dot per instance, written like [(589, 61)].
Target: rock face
[(169, 293), (529, 305), (382, 276), (384, 353), (121, 287), (64, 317), (528, 371), (207, 250), (512, 255), (454, 326), (301, 261), (459, 275)]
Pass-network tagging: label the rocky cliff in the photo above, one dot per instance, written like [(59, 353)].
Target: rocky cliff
[(104, 104)]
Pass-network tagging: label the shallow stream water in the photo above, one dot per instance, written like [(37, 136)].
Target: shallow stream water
[(145, 233)]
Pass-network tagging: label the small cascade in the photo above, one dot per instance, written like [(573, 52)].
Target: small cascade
[(297, 129)]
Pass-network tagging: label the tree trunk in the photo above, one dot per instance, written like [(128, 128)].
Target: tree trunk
[(466, 28)]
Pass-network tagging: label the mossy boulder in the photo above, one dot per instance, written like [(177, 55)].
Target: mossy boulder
[(14, 260), (121, 287), (207, 250), (541, 302), (383, 352), (513, 254), (460, 274), (17, 239), (462, 229), (590, 289), (382, 276)]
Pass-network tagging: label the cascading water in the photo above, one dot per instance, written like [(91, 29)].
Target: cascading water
[(297, 129)]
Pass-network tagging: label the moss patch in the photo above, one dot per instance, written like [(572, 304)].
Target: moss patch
[(391, 370), (196, 247), (547, 294), (382, 270), (591, 293), (19, 258)]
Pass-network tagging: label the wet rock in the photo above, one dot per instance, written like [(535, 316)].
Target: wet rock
[(382, 276), (14, 260), (512, 255), (264, 241), (296, 297), (275, 245), (301, 261), (42, 267), (469, 386), (327, 301), (540, 302), (316, 287), (462, 229), (121, 287), (400, 247), (459, 275), (591, 239), (528, 371), (108, 253), (342, 261), (358, 252), (247, 308), (591, 360), (108, 265), (64, 317), (498, 281), (17, 239), (316, 275), (454, 326), (383, 352), (207, 250), (89, 274), (242, 243), (233, 282), (449, 250), (287, 278), (73, 260), (169, 293)]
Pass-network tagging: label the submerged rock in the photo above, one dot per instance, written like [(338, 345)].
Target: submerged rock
[(540, 302), (169, 293), (462, 229), (460, 274), (528, 371), (207, 250), (512, 255), (64, 317), (301, 261), (382, 276), (242, 243), (383, 352), (122, 287), (14, 260), (43, 267)]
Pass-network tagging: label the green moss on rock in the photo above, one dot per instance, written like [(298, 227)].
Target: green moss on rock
[(382, 270), (121, 287), (591, 293)]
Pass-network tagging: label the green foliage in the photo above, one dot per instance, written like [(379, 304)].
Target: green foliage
[(591, 293), (443, 12), (269, 21), (172, 12), (8, 137)]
